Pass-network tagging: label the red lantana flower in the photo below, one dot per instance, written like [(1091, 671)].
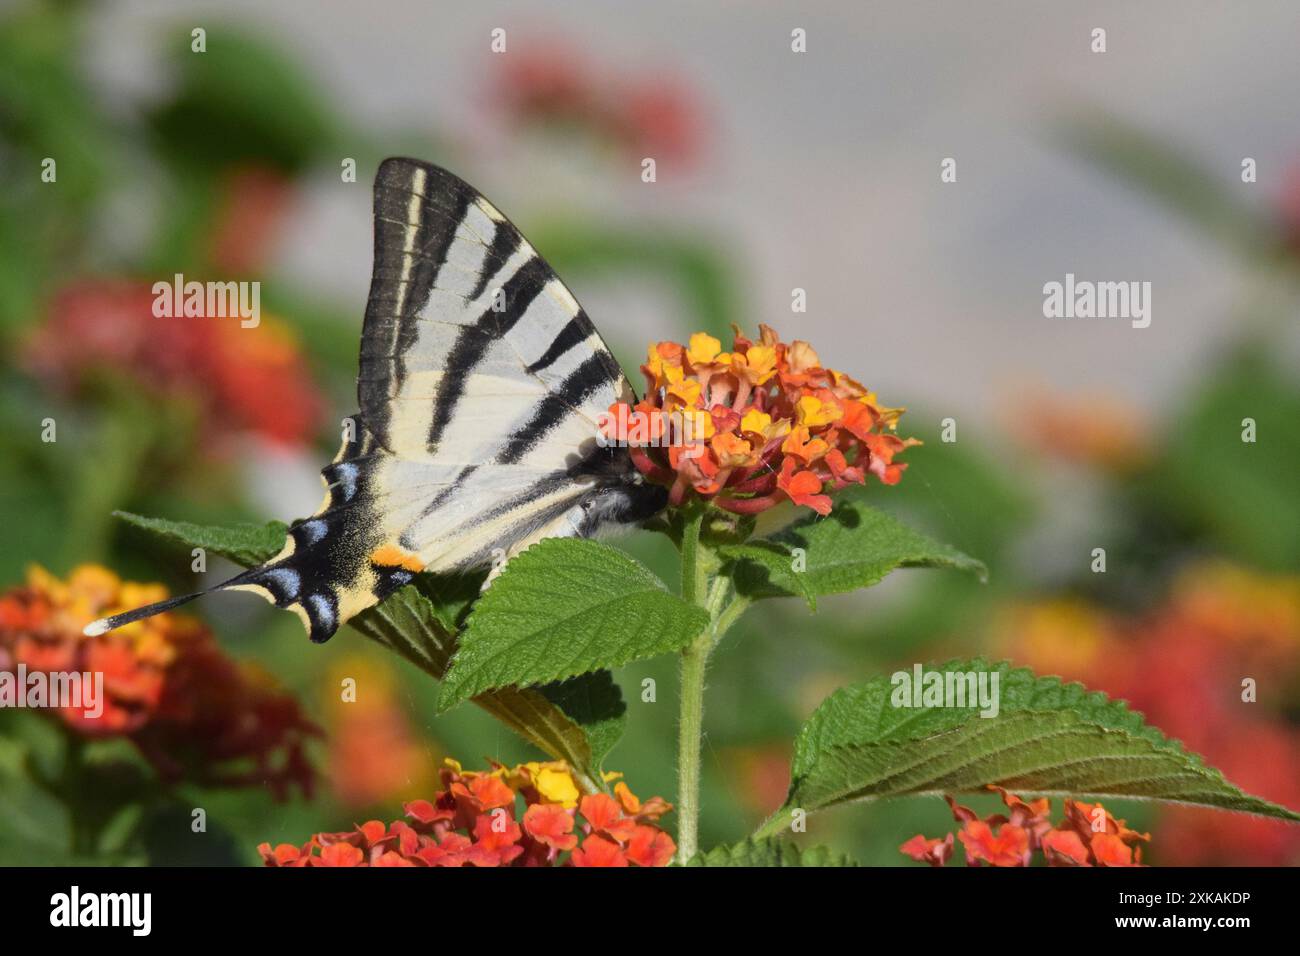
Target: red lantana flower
[(1007, 845), (551, 825), (754, 427), (472, 822), (1087, 836)]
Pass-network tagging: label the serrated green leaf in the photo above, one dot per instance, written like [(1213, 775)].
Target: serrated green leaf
[(578, 721), (855, 546), (564, 607), (1048, 737), (245, 544), (770, 852)]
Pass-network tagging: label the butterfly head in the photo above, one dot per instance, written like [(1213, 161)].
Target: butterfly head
[(620, 496)]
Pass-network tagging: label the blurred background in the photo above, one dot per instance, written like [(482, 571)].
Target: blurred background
[(775, 171)]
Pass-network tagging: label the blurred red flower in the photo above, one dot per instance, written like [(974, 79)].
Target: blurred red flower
[(374, 753), (1095, 430), (194, 713), (254, 203), (471, 822), (240, 379), (1182, 665), (654, 116), (764, 774)]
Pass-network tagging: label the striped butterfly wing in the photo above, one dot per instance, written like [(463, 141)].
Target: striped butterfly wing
[(480, 374), (481, 383), (463, 317)]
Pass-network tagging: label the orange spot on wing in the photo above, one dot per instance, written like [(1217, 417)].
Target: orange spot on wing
[(391, 556)]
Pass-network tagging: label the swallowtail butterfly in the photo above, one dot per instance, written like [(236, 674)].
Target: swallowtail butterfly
[(480, 386)]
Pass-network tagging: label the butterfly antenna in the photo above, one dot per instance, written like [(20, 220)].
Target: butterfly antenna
[(106, 624)]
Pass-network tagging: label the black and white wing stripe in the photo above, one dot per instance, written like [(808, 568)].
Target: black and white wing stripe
[(464, 321)]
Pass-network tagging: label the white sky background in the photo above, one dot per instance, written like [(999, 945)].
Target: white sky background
[(823, 168)]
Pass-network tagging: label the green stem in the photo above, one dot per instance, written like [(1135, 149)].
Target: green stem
[(689, 730), (695, 570), (703, 587), (729, 615)]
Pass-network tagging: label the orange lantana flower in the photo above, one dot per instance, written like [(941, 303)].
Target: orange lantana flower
[(756, 426), (193, 712), (925, 850), (472, 822), (1088, 836)]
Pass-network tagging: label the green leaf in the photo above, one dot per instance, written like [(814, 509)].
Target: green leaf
[(245, 544), (770, 852), (564, 607), (578, 721), (592, 701), (753, 558), (853, 547), (1048, 737)]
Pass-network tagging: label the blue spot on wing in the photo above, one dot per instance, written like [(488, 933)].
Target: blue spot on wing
[(284, 583), (321, 611), (310, 532)]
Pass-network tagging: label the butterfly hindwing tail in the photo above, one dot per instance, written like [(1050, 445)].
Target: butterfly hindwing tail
[(333, 565)]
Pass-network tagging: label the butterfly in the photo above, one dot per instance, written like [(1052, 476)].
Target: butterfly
[(481, 387)]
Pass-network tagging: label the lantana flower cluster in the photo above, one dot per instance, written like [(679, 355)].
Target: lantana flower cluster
[(472, 822), (193, 712), (1087, 836), (756, 426)]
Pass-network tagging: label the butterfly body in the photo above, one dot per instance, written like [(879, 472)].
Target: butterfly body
[(481, 384)]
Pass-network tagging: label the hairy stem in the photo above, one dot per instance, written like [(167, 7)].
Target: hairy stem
[(689, 731), (702, 586)]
